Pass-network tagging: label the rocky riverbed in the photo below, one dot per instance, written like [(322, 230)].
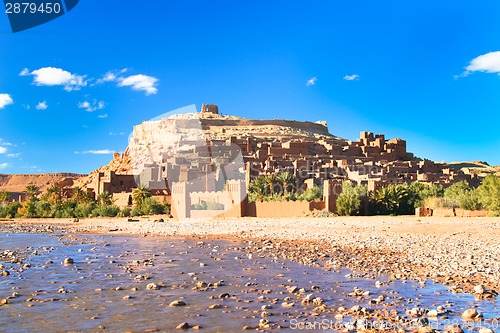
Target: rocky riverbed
[(385, 256)]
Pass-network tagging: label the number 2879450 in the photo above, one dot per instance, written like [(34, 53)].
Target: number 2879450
[(32, 8)]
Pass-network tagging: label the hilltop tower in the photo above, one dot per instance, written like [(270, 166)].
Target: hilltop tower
[(210, 108)]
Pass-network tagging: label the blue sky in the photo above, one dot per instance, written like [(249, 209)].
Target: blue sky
[(71, 90)]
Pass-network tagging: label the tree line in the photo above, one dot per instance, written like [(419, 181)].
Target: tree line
[(402, 199), (393, 199), (52, 204)]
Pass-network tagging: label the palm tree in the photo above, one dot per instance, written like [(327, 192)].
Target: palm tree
[(286, 178), (53, 194), (139, 194), (105, 198), (32, 191), (79, 195), (4, 197), (272, 179), (392, 199), (259, 187)]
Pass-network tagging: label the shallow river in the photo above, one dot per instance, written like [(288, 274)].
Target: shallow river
[(105, 289)]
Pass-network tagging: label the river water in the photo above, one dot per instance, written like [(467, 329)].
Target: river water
[(105, 289)]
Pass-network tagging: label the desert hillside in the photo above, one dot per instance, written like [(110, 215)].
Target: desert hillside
[(17, 183), (480, 168)]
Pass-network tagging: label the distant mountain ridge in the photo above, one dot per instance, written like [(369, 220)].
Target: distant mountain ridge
[(16, 183)]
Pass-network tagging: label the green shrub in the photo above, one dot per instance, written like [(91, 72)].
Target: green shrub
[(135, 212), (462, 195), (199, 206), (212, 205), (349, 201), (64, 213), (394, 199), (150, 206), (489, 193), (125, 212), (208, 205), (105, 210), (9, 210), (43, 209), (29, 208), (311, 194), (84, 209)]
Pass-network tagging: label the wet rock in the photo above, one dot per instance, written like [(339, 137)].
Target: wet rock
[(318, 301), (152, 286), (471, 314), (425, 329), (215, 306), (454, 328), (177, 303), (432, 313), (183, 326), (201, 284), (224, 295), (264, 323), (479, 289), (264, 314), (68, 261), (485, 330), (416, 312)]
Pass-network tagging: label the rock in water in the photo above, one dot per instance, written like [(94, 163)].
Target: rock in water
[(152, 286), (183, 326), (432, 313), (177, 303), (485, 330), (471, 314), (454, 328)]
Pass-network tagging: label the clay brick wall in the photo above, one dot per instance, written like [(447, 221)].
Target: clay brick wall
[(282, 208)]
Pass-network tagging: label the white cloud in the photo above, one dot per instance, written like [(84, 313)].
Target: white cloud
[(41, 106), (5, 100), (353, 77), (51, 76), (27, 106), (102, 116), (3, 166), (489, 63), (113, 133), (84, 105), (3, 150), (5, 143), (108, 77), (16, 155), (311, 81), (140, 82), (92, 106), (96, 152), (24, 72)]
